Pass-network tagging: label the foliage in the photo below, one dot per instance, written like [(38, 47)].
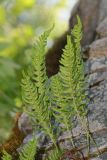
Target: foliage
[(63, 95), (6, 156), (9, 93), (29, 151), (55, 155), (68, 86), (35, 88)]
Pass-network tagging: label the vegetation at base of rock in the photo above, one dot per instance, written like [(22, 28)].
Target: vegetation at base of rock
[(28, 152)]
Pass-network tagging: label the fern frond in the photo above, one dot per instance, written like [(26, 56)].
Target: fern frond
[(38, 62), (29, 151), (68, 90), (66, 72), (57, 89), (72, 69), (36, 87), (61, 105), (80, 80), (77, 32), (80, 99), (29, 91), (55, 155), (62, 88), (63, 83), (6, 156), (36, 110)]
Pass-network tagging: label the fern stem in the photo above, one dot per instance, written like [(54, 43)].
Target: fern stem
[(86, 130), (71, 139)]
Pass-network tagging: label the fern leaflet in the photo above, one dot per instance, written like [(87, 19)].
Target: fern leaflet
[(6, 156), (29, 151), (55, 155)]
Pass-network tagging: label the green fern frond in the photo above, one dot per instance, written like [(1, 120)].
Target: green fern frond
[(29, 91), (68, 85), (72, 69), (29, 151), (62, 88), (77, 31), (36, 87), (61, 109), (79, 78), (55, 155), (6, 156), (63, 83), (66, 72), (38, 62), (80, 99), (57, 89), (36, 110)]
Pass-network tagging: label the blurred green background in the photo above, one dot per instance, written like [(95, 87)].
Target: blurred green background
[(21, 21)]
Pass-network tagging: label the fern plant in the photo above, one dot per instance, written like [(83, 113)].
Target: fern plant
[(6, 156), (62, 96), (27, 153), (55, 154)]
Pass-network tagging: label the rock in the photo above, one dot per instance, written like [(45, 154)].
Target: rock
[(102, 28), (102, 10), (98, 48), (24, 124), (97, 70), (41, 137), (96, 64)]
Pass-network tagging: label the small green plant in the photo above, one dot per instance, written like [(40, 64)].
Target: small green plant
[(6, 156), (62, 96), (55, 154), (27, 153)]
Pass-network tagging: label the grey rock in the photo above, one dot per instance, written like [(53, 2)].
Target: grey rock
[(102, 28), (96, 64), (24, 124), (98, 48), (102, 10), (97, 70), (41, 137)]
